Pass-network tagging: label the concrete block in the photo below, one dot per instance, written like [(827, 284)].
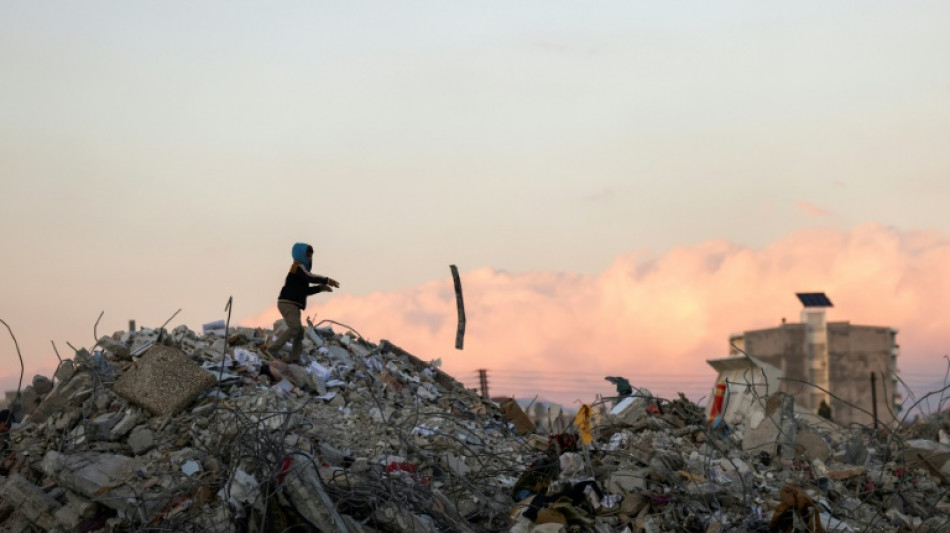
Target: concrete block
[(103, 400), (919, 452), (381, 416), (67, 419), (340, 355), (78, 435), (218, 346), (217, 327), (143, 340), (571, 464), (516, 416), (766, 436), (301, 378), (75, 511), (65, 370), (42, 385), (301, 484), (632, 409), (100, 427), (102, 477), (812, 445), (124, 425), (856, 452), (37, 506), (314, 337), (627, 481), (762, 438), (116, 348), (62, 394), (164, 381), (141, 440)]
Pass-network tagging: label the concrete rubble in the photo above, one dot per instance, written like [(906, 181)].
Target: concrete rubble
[(156, 430)]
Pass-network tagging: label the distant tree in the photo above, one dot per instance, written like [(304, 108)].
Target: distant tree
[(824, 410)]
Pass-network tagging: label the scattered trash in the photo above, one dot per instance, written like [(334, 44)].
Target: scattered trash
[(191, 467)]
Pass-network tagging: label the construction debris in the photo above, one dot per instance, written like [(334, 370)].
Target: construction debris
[(176, 431)]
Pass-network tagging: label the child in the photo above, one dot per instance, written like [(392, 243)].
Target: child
[(293, 296)]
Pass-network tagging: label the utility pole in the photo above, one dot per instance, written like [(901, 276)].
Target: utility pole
[(483, 382)]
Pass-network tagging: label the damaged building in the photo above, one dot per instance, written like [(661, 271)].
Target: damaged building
[(850, 368)]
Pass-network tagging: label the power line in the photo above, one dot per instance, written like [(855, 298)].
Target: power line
[(599, 374)]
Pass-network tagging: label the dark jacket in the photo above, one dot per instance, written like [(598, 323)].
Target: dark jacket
[(297, 286)]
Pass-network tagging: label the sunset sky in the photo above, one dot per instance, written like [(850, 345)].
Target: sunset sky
[(622, 185)]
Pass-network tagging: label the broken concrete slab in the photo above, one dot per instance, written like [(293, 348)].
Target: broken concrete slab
[(767, 436), (65, 392), (64, 371), (812, 445), (143, 340), (628, 481), (164, 380), (102, 477), (116, 348), (302, 485), (302, 378), (42, 385), (100, 427), (37, 506), (75, 511), (516, 416), (128, 420)]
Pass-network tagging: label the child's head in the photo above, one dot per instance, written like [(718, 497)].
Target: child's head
[(302, 253)]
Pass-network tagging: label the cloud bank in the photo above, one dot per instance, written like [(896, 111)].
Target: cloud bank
[(656, 319)]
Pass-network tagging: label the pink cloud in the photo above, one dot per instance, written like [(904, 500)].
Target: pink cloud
[(655, 320), (812, 210)]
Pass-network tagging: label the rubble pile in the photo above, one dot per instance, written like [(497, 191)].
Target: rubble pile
[(154, 430), (172, 431), (660, 466)]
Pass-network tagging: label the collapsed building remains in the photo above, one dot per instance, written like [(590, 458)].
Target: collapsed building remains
[(156, 430)]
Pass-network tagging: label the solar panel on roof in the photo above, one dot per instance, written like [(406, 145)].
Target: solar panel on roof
[(814, 299)]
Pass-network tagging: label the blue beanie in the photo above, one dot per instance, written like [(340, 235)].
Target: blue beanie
[(299, 253)]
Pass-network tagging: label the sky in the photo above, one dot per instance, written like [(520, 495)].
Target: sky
[(621, 187)]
